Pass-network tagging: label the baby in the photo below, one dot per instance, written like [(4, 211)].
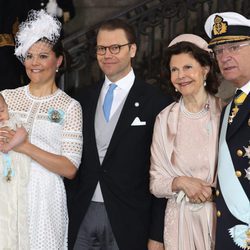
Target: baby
[(5, 121), (14, 177)]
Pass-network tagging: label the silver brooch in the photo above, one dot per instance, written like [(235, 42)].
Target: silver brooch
[(55, 115)]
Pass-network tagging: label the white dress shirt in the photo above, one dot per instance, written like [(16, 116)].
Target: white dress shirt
[(120, 93), (246, 88)]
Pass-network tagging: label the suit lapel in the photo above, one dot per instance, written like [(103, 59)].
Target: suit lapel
[(90, 120), (129, 112), (241, 116)]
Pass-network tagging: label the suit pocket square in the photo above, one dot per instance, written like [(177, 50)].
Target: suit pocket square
[(138, 122)]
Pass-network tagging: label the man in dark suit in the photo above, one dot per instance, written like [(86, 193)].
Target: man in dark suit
[(230, 41), (112, 207)]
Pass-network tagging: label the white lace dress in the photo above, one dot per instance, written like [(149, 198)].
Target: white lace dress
[(54, 124)]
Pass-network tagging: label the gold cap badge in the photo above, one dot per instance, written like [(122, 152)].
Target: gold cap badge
[(219, 26)]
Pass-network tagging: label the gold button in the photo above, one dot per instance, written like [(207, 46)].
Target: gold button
[(218, 213), (239, 153), (238, 173), (217, 192)]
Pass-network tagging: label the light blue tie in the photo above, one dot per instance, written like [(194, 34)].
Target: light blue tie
[(107, 104)]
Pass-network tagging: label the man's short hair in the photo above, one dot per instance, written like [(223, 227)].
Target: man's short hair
[(117, 23)]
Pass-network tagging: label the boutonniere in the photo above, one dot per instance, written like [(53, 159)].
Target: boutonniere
[(56, 115)]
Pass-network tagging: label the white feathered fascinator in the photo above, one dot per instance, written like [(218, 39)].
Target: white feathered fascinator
[(38, 25)]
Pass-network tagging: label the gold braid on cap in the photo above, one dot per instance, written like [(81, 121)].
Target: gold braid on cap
[(227, 39)]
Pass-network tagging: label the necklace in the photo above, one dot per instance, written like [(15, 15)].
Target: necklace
[(48, 92), (192, 115), (34, 96)]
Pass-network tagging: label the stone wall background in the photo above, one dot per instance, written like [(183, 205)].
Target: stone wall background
[(91, 12)]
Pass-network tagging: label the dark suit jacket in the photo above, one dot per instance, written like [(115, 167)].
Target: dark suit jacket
[(124, 174), (238, 136)]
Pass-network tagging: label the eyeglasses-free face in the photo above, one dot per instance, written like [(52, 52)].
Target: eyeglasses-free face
[(187, 75), (41, 63), (233, 48), (113, 49)]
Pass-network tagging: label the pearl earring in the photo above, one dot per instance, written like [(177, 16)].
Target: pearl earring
[(57, 70), (205, 83), (176, 90)]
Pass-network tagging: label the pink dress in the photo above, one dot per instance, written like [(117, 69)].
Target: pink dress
[(185, 144)]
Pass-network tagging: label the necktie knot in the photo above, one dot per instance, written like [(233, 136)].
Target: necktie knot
[(107, 104), (112, 87)]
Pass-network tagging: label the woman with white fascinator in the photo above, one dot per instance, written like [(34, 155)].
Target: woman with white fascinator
[(184, 146), (53, 121)]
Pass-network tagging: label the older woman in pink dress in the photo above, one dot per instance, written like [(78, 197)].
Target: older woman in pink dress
[(184, 146)]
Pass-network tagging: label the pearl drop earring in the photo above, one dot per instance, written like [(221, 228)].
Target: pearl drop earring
[(205, 83)]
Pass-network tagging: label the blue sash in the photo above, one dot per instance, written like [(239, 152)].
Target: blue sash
[(231, 189)]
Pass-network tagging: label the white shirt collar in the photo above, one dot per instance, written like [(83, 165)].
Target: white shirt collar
[(125, 83), (246, 88)]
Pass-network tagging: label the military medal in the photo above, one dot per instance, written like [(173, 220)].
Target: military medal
[(247, 154), (238, 100), (233, 114), (248, 173)]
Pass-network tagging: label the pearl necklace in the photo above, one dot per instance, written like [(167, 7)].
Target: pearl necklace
[(192, 115)]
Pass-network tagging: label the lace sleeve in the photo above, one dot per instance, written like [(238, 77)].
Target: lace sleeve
[(72, 133)]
